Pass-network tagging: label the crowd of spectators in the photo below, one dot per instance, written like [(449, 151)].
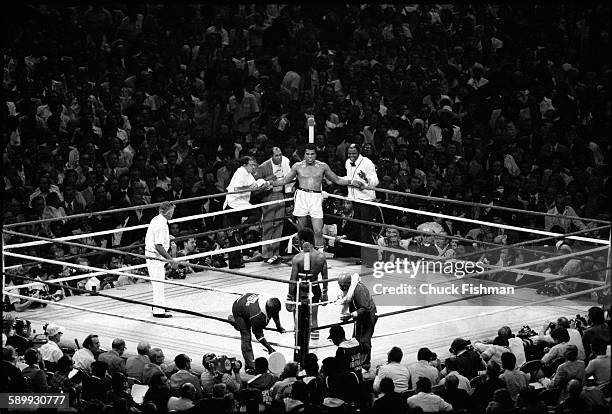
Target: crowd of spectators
[(111, 107), (117, 107), (565, 368)]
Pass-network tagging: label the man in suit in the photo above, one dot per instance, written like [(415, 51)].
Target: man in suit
[(498, 176), (73, 203), (113, 357), (177, 192), (274, 168), (112, 169)]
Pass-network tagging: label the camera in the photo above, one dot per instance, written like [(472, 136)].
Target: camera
[(221, 364)]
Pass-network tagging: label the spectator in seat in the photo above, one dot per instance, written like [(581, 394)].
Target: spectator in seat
[(84, 357), (12, 377), (494, 351), (185, 399), (60, 381), (598, 330), (515, 344), (134, 366), (35, 377), (452, 394), (426, 400), (483, 393), (21, 339), (395, 370), (184, 375), (263, 379), (119, 390), (97, 384), (282, 389), (423, 368), (159, 392), (468, 360), (515, 379), (452, 365), (599, 367), (156, 358), (573, 403), (575, 337), (501, 403), (113, 357), (390, 401), (299, 397), (572, 368), (561, 339), (51, 352), (340, 385), (222, 401), (349, 351)]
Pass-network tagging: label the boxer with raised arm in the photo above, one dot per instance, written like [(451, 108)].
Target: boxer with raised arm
[(308, 196)]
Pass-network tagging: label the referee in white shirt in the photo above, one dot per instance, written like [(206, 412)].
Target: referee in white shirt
[(243, 180), (360, 168), (157, 243)]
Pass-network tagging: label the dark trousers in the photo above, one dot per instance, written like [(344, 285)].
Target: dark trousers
[(273, 226), (235, 219), (364, 329), (244, 327), (368, 213)]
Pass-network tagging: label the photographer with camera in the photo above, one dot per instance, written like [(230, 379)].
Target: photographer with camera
[(21, 339), (215, 372), (574, 334)]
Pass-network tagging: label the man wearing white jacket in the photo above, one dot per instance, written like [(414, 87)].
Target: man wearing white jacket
[(362, 169)]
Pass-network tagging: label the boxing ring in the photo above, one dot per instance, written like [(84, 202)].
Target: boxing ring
[(202, 301)]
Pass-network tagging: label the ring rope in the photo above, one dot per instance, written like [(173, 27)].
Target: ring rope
[(476, 204), (68, 278), (125, 300), (184, 258), (493, 267), (497, 246), (131, 246), (461, 299), (429, 325), (119, 210), (133, 318), (118, 273), (144, 226), (466, 220)]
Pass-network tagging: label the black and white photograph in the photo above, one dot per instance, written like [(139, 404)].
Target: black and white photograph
[(313, 207)]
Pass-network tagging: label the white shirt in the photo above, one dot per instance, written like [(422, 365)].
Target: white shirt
[(51, 352), (429, 402), (397, 372), (464, 383), (82, 359), (157, 233), (423, 369), (352, 173), (518, 349), (241, 178)]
